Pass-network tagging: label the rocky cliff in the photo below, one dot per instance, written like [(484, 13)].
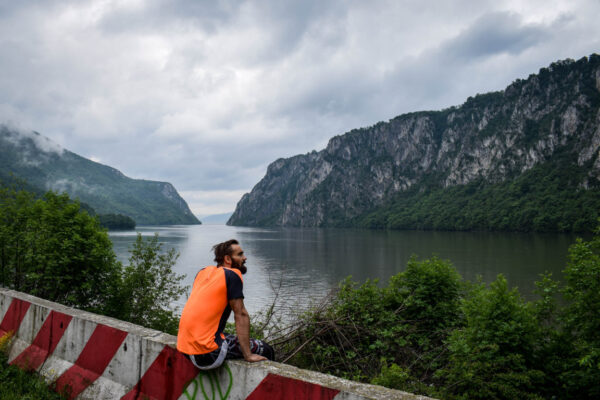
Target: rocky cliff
[(491, 138)]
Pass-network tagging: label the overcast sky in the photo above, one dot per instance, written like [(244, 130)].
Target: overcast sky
[(205, 94)]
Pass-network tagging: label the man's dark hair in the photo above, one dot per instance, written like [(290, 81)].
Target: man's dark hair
[(223, 249)]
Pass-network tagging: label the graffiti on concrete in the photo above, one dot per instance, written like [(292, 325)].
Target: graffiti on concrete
[(208, 385)]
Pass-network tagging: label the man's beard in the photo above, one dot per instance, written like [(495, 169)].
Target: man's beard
[(240, 266)]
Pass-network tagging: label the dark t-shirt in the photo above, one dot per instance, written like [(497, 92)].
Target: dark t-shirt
[(234, 291)]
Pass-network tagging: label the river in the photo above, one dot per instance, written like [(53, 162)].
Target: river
[(304, 264)]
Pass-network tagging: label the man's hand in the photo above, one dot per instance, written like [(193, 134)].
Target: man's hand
[(255, 358)]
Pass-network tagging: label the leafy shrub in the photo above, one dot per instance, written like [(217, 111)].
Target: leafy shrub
[(362, 329), (492, 356), (428, 332), (580, 374)]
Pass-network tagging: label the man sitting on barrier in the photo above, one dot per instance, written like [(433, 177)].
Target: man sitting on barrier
[(216, 291)]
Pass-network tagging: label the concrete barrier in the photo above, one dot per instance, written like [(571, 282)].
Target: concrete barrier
[(88, 356)]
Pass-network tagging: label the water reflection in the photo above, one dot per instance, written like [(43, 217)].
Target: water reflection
[(308, 262)]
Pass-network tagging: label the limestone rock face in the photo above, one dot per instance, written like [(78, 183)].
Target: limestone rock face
[(494, 136)]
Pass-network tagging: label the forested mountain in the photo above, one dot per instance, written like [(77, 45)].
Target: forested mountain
[(44, 165), (525, 158)]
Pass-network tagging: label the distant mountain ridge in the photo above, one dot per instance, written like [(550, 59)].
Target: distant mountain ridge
[(544, 125), (45, 165), (216, 219)]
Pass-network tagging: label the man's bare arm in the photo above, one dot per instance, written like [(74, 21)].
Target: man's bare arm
[(242, 328)]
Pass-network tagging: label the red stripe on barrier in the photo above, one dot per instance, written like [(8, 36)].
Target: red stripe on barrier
[(14, 316), (166, 378), (91, 363), (276, 387), (44, 343)]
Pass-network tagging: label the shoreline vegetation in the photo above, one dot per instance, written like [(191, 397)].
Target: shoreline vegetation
[(116, 222), (427, 331), (430, 332), (547, 198)]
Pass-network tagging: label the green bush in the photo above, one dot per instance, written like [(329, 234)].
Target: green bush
[(580, 375), (393, 376), (427, 332), (492, 356), (362, 329)]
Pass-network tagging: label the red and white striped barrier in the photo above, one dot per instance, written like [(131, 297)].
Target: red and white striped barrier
[(88, 356)]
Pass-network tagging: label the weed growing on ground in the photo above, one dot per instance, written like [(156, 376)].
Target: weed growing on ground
[(18, 384)]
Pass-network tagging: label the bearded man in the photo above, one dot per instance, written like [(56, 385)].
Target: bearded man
[(217, 290)]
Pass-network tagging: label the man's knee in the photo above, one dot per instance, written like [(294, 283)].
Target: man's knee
[(264, 349), (268, 351)]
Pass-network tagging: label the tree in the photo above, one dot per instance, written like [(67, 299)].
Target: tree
[(425, 299), (69, 256), (493, 356), (52, 249), (581, 319), (15, 209), (116, 221), (148, 287)]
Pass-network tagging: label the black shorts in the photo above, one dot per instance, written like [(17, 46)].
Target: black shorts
[(230, 349)]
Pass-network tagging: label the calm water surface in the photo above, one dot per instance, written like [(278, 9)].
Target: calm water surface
[(306, 263)]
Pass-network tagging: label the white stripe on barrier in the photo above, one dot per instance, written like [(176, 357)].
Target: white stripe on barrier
[(68, 349), (29, 328)]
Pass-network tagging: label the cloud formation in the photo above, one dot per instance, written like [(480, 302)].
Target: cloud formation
[(18, 137), (205, 94)]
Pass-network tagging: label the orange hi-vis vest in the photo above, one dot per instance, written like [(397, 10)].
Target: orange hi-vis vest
[(207, 309)]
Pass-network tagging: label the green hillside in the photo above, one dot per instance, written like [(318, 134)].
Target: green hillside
[(44, 165), (547, 198)]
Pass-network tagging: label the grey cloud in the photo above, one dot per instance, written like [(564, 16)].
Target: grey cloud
[(290, 22), (10, 8), (464, 65), (494, 33), (148, 89), (24, 139), (206, 15), (17, 136), (286, 22)]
